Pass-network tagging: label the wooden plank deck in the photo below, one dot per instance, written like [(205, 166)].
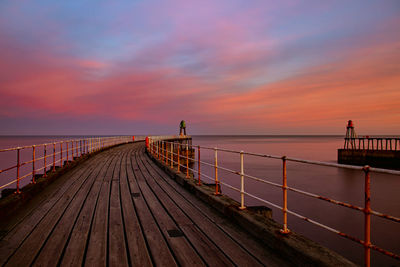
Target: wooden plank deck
[(120, 209)]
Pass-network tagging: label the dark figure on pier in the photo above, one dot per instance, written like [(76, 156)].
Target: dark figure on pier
[(182, 127)]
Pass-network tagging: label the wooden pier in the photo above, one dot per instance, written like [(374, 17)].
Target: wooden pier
[(119, 209), (381, 152)]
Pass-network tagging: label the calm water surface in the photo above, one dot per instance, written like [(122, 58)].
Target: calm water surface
[(340, 184)]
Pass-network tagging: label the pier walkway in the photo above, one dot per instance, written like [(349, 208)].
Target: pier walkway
[(119, 209)]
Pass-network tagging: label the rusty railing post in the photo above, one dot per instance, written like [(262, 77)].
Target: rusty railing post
[(198, 166), (44, 159), (285, 229), (172, 155), (187, 160), (33, 164), (179, 158), (165, 152), (367, 212), (162, 151), (61, 154), (217, 189), (18, 166), (54, 157), (242, 206), (67, 150)]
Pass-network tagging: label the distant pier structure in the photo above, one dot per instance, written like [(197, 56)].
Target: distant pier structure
[(381, 151)]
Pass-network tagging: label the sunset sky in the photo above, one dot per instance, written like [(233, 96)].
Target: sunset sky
[(226, 67)]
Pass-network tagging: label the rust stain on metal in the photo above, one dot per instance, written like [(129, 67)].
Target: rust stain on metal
[(387, 253)]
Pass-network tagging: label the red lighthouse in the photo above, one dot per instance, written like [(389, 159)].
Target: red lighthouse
[(350, 139)]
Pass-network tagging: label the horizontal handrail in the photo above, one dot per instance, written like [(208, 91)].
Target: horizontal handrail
[(64, 149), (165, 151)]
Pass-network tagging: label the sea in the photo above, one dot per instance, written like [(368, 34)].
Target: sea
[(340, 184)]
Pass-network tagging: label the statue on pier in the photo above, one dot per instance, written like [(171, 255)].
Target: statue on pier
[(182, 128)]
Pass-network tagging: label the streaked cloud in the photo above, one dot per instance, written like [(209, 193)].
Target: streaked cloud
[(226, 67)]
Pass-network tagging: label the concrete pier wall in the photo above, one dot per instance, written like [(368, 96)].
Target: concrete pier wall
[(387, 159)]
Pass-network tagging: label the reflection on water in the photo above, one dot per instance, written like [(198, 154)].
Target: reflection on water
[(340, 184)]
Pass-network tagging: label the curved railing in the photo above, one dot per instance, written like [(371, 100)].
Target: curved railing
[(53, 156), (165, 151)]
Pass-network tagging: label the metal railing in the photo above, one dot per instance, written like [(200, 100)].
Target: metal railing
[(164, 151), (67, 150), (373, 143)]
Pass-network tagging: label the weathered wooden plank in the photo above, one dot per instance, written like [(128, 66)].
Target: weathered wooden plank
[(120, 212), (183, 251), (97, 246), (116, 239), (53, 248), (159, 250), (32, 244), (20, 231), (137, 249), (200, 213), (75, 250), (211, 254), (234, 231)]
